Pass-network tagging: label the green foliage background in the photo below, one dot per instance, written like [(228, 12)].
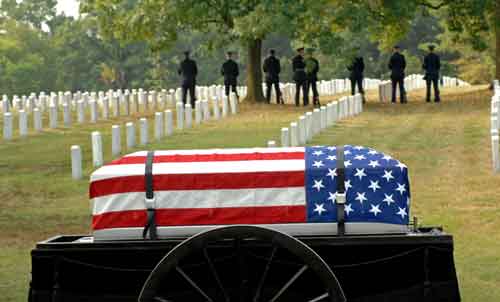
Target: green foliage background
[(43, 51)]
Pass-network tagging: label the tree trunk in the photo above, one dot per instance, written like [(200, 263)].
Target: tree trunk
[(497, 29), (254, 72)]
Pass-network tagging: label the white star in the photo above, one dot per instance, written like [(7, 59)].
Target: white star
[(319, 208), (331, 157), (374, 185), (402, 213), (388, 175), (348, 209), (387, 157), (332, 173), (358, 148), (332, 148), (372, 152), (374, 163), (360, 173), (401, 188), (318, 185), (388, 199), (375, 210), (347, 163), (318, 153), (401, 166), (332, 197), (347, 152), (361, 197), (318, 164), (347, 185), (359, 157)]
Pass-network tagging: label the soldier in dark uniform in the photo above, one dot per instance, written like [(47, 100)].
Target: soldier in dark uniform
[(312, 69), (188, 70), (397, 65), (230, 71), (272, 69), (299, 76), (432, 65), (356, 69)]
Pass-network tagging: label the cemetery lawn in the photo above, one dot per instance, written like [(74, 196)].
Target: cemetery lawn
[(446, 147)]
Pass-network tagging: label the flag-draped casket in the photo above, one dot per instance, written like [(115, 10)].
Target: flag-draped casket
[(295, 190)]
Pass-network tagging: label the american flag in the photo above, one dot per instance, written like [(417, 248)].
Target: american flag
[(250, 186)]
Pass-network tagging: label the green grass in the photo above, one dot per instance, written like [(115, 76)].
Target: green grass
[(446, 147)]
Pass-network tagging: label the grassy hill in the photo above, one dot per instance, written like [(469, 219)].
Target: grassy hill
[(446, 146)]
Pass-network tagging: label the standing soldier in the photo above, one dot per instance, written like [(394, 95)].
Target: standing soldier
[(299, 76), (357, 68), (230, 71), (397, 65), (272, 69), (188, 70), (312, 69), (432, 65)]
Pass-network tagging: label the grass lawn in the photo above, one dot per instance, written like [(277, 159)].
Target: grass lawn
[(446, 147)]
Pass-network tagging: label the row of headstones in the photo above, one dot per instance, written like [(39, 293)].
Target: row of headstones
[(413, 82), (118, 108), (495, 127), (163, 126), (325, 88), (307, 126)]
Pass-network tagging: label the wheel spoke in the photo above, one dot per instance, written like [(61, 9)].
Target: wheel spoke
[(216, 276), (264, 275), (193, 284), (317, 299), (287, 285)]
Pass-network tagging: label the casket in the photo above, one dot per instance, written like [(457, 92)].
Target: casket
[(303, 191)]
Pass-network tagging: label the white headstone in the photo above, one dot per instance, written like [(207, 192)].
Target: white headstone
[(7, 126), (335, 111), (206, 110), (197, 112), (76, 162), (169, 122), (23, 123), (116, 145), (225, 106), (216, 108), (105, 108), (159, 126), (5, 106), (126, 104), (143, 125), (309, 126), (80, 108), (93, 111), (52, 116), (66, 115), (116, 106), (285, 137), (495, 149), (271, 144), (302, 130), (294, 135), (97, 158), (323, 117), (316, 121), (37, 120), (130, 135), (180, 116), (189, 116)]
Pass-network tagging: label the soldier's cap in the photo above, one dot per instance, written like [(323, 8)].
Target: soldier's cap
[(431, 47), (187, 52), (272, 51), (397, 47), (300, 49), (229, 53)]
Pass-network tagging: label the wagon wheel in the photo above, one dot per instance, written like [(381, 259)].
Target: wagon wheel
[(244, 264)]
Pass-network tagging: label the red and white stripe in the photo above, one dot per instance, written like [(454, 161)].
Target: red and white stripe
[(203, 187)]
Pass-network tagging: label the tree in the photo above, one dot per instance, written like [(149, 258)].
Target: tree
[(247, 22)]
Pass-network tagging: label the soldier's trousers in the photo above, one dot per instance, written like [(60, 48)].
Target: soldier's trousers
[(269, 85), (191, 89), (229, 86), (434, 82), (301, 85), (402, 92), (357, 82), (312, 84)]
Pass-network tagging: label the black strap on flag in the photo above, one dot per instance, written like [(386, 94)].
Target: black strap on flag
[(341, 194), (150, 199)]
